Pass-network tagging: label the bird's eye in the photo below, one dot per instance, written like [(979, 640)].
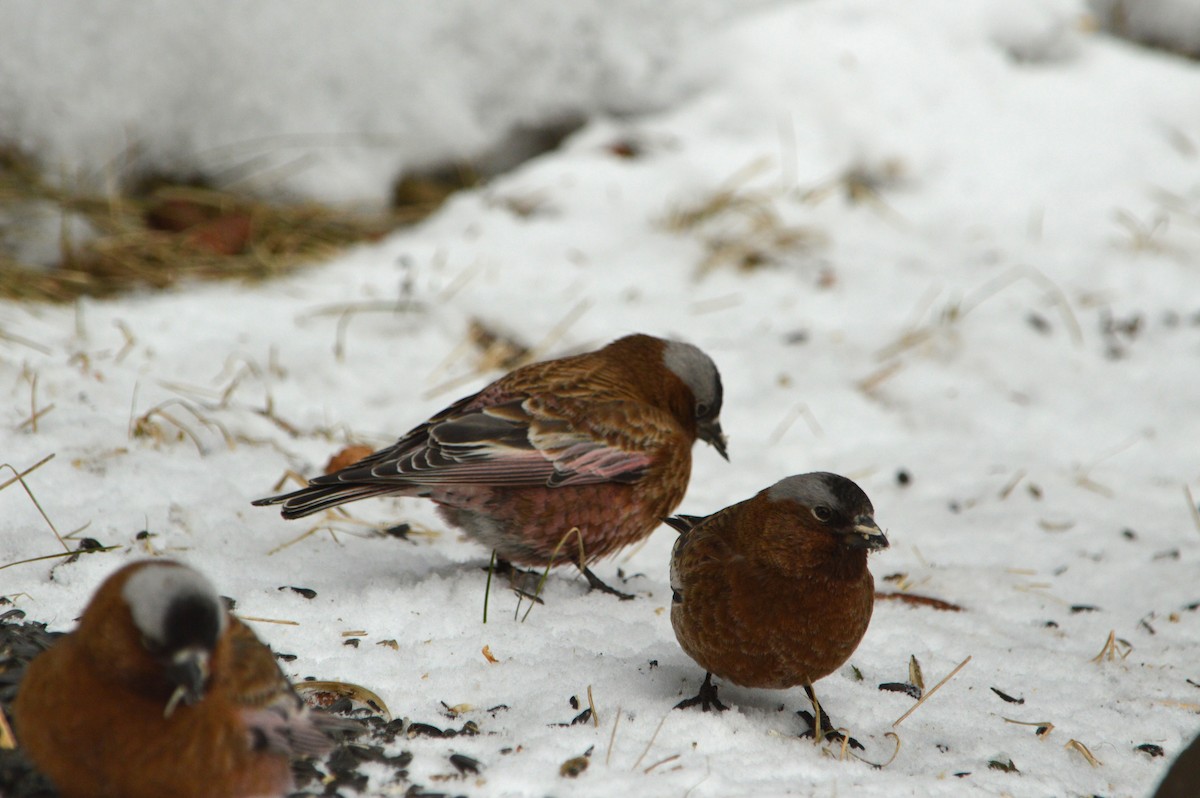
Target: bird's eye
[(701, 410), (822, 513)]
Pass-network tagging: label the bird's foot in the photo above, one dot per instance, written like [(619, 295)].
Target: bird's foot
[(828, 732), (525, 583), (706, 698), (595, 583)]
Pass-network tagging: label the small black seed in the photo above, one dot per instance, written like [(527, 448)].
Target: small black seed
[(464, 763), (1150, 748), (1039, 323), (424, 730), (901, 687), (1006, 697), (398, 531)]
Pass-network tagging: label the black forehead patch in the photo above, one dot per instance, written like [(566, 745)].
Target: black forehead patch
[(822, 488), (718, 397), (192, 619)]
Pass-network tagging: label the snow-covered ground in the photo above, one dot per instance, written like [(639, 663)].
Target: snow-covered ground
[(974, 230)]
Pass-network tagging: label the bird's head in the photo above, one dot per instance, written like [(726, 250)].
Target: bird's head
[(698, 372), (180, 618), (835, 505)]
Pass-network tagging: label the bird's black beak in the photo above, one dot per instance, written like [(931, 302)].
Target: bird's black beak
[(188, 671), (710, 433), (866, 534)]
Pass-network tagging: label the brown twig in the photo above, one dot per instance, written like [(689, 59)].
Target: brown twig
[(916, 598), (1187, 492), (650, 743), (932, 690)]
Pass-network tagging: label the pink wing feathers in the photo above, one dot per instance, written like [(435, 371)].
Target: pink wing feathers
[(522, 442)]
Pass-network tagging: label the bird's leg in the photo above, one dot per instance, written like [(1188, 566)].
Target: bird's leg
[(822, 722), (706, 698), (595, 583), (523, 581)]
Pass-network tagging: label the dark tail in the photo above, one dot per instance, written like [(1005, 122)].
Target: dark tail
[(316, 498), (680, 523)]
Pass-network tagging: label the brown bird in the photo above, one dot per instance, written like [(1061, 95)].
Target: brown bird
[(599, 442), (159, 691), (1182, 780), (774, 591)]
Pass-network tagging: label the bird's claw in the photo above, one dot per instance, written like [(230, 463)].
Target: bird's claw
[(706, 698), (596, 583), (828, 733)]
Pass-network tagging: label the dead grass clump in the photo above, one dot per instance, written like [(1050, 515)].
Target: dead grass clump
[(166, 232), (742, 227)]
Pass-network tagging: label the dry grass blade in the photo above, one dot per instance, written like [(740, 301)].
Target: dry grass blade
[(1043, 727), (20, 477), (1191, 500), (612, 736), (932, 690), (311, 531), (487, 588), (915, 676), (8, 741), (58, 556), (919, 600), (1011, 485), (1075, 745), (650, 743), (592, 706), (546, 572), (663, 761), (800, 410), (145, 426), (1114, 648), (280, 621), (17, 339), (954, 311)]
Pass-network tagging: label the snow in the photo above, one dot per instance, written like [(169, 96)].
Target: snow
[(321, 99), (1012, 317)]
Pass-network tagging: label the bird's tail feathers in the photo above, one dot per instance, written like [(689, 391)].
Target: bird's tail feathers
[(316, 498)]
